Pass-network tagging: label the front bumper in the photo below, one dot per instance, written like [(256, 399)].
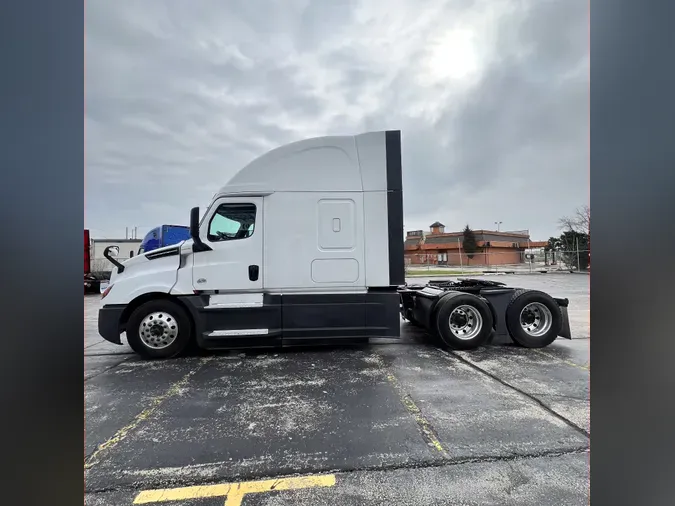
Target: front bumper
[(109, 323)]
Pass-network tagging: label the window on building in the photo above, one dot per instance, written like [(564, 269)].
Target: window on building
[(231, 222)]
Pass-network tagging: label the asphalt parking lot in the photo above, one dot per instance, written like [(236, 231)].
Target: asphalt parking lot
[(396, 422)]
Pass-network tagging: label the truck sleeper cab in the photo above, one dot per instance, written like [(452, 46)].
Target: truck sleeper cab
[(302, 246)]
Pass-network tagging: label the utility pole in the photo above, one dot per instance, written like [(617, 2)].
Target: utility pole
[(459, 248), (578, 259)]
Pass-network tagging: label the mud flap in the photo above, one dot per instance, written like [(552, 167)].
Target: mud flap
[(565, 331)]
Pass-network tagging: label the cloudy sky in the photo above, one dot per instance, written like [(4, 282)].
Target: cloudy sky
[(491, 97)]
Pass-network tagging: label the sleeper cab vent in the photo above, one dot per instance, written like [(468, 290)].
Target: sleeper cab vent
[(154, 255)]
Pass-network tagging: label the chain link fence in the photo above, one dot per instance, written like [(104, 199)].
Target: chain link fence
[(535, 259)]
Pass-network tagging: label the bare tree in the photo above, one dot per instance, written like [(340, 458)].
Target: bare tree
[(579, 222)]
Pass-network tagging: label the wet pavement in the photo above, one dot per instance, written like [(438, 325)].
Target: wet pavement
[(389, 423)]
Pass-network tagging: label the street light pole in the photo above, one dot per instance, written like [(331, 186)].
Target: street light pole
[(498, 223)]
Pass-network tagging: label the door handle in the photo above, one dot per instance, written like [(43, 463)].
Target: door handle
[(253, 272)]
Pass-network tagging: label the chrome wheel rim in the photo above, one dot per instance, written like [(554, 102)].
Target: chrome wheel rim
[(465, 322), (536, 319), (158, 330)]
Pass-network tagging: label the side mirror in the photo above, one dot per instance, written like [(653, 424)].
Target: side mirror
[(106, 253), (194, 223), (197, 245)]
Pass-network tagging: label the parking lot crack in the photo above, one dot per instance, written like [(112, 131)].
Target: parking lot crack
[(531, 397), (111, 354), (414, 464), (564, 361), (107, 369)]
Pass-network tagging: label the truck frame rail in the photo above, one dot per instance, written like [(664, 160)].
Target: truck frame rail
[(529, 318)]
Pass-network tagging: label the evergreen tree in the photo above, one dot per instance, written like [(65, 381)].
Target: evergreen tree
[(469, 244)]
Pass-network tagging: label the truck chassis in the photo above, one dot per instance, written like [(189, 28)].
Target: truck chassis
[(468, 313)]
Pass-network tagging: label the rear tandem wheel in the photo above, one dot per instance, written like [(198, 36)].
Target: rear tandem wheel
[(534, 318), (464, 321)]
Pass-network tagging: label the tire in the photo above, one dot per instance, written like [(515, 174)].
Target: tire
[(463, 321), (533, 318), (172, 342)]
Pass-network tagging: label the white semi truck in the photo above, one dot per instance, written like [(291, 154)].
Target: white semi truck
[(304, 245)]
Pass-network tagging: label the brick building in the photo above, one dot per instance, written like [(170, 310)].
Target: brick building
[(438, 247)]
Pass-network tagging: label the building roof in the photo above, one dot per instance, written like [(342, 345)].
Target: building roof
[(117, 240), (412, 242), (436, 224), (441, 238), (490, 235)]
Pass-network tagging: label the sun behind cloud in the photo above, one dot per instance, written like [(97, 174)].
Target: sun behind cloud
[(453, 56)]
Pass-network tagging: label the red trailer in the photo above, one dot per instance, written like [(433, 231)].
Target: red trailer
[(91, 283), (87, 253)]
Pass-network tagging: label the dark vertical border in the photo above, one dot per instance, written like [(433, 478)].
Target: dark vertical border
[(41, 202), (395, 207), (632, 116)]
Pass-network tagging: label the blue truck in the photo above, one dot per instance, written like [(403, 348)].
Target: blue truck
[(164, 235)]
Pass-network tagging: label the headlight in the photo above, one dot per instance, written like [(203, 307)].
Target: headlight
[(106, 291)]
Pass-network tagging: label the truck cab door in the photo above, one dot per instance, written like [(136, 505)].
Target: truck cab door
[(233, 229)]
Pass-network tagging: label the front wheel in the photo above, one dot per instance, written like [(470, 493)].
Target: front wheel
[(463, 321), (159, 329)]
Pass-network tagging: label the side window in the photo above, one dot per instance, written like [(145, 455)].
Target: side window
[(231, 222)]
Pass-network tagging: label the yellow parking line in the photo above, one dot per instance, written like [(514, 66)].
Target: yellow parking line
[(422, 422), (143, 415), (578, 366), (234, 499), (234, 492)]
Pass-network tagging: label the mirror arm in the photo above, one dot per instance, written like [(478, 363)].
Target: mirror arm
[(106, 253)]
